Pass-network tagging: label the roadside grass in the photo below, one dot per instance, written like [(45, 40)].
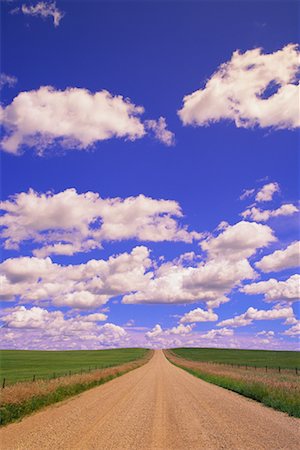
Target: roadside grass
[(279, 391), (22, 365), (258, 358), (22, 398)]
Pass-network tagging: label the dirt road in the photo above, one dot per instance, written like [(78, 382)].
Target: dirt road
[(157, 406)]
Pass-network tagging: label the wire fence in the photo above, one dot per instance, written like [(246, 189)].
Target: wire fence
[(54, 375), (265, 368)]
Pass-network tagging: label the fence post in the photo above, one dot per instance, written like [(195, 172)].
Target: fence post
[(279, 369), (33, 378), (3, 383), (266, 368), (70, 372)]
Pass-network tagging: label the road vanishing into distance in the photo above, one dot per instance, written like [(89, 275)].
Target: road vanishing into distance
[(157, 406)]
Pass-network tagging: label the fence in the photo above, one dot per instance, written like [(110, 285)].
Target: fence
[(32, 378), (255, 367)]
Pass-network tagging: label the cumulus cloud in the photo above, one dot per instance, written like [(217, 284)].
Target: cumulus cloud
[(73, 118), (281, 259), (262, 215), (51, 325), (215, 334), (82, 286), (42, 10), (266, 193), (199, 315), (209, 281), (238, 241), (158, 334), (132, 275), (255, 314), (241, 91), (274, 290), (68, 222), (294, 330), (268, 334)]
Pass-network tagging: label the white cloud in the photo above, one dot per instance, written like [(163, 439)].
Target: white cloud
[(161, 133), (294, 330), (265, 194), (82, 286), (180, 329), (238, 241), (255, 314), (96, 317), (247, 193), (226, 267), (215, 334), (73, 118), (207, 282), (260, 215), (155, 332), (53, 324), (199, 315), (41, 9), (274, 290), (8, 80), (158, 334), (268, 334), (68, 222), (240, 91), (281, 259)]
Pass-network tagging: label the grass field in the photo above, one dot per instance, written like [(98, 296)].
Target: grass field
[(22, 365), (258, 358), (21, 398), (277, 389)]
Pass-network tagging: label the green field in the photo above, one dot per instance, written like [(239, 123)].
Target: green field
[(258, 358), (21, 365)]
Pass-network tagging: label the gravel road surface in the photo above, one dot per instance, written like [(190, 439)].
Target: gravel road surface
[(157, 406)]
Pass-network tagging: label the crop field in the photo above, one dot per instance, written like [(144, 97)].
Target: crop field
[(258, 358), (23, 365)]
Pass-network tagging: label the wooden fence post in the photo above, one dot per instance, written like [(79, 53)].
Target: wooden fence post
[(3, 383), (33, 378)]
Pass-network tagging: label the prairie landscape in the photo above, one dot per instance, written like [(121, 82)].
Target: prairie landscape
[(267, 376), (155, 406), (149, 225), (55, 376)]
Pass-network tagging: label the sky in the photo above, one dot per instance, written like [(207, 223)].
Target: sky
[(149, 174)]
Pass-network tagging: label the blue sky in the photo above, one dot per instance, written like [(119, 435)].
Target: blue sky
[(78, 137)]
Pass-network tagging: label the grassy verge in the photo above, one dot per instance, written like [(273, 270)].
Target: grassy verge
[(26, 365), (252, 358), (22, 399), (278, 391)]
